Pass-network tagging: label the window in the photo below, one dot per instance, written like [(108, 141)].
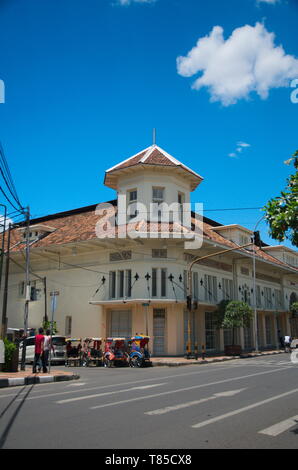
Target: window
[(163, 282), (68, 325), (268, 297), (278, 300), (120, 284), (210, 330), (112, 285), (128, 283), (210, 285), (258, 297), (181, 201), (195, 286), (159, 282), (132, 195), (120, 255), (131, 204), (154, 282), (268, 330), (227, 289), (157, 195), (158, 253)]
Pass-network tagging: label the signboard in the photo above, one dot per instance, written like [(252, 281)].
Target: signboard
[(145, 305), (56, 292), (2, 352)]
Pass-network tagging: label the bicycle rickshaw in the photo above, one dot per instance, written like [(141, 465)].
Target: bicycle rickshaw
[(73, 352), (115, 352), (92, 352), (139, 355)]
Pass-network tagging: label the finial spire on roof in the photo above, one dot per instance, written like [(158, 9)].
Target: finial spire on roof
[(154, 136)]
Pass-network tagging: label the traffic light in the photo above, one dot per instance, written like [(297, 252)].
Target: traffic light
[(257, 239), (188, 302)]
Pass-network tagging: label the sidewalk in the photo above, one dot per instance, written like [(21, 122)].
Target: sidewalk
[(182, 361), (12, 379)]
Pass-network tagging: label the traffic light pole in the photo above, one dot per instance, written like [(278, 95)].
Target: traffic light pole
[(189, 285), (5, 292)]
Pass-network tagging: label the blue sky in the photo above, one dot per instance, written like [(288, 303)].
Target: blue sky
[(86, 81)]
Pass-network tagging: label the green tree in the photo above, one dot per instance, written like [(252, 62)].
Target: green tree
[(47, 326), (236, 314), (281, 212)]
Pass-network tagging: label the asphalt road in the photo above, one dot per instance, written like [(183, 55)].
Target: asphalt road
[(247, 403)]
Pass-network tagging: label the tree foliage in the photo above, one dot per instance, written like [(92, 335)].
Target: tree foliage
[(237, 314), (281, 212)]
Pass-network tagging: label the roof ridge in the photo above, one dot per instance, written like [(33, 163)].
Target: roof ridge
[(127, 159), (147, 154)]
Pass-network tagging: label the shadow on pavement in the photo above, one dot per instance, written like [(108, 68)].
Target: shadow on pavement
[(6, 431)]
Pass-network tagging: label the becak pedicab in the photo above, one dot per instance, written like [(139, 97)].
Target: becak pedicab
[(115, 352), (73, 352), (92, 352), (139, 355)]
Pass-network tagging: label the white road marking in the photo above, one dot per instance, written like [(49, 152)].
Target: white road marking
[(170, 392), (242, 410), (168, 409), (198, 373), (77, 384), (86, 397), (278, 428)]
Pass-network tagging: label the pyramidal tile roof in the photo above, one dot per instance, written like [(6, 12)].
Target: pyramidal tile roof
[(152, 155)]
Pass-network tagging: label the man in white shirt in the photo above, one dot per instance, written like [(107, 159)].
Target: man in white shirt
[(46, 346), (287, 342)]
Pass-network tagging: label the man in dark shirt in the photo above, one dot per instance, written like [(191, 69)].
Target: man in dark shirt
[(38, 355)]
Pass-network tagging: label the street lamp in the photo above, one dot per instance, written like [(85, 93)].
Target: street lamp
[(256, 241)]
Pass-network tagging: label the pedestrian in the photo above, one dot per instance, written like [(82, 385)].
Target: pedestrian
[(47, 346), (287, 343), (38, 353), (281, 340)]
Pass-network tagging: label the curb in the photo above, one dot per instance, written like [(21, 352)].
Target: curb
[(32, 380), (222, 359)]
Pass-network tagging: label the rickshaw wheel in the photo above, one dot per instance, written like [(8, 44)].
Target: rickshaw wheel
[(139, 362), (107, 363), (135, 362)]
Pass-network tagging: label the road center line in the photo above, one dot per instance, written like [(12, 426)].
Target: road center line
[(242, 410), (170, 392), (181, 406), (86, 397)]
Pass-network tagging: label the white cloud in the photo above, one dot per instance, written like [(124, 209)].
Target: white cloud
[(268, 1), (6, 224), (128, 2), (248, 61), (239, 149)]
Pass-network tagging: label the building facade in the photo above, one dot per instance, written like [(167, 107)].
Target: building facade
[(121, 267)]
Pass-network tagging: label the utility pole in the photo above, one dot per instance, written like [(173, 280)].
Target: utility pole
[(27, 286), (45, 299), (5, 293), (3, 242)]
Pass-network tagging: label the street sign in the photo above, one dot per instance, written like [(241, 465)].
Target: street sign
[(56, 292)]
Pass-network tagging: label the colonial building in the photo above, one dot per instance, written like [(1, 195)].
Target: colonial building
[(120, 268)]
